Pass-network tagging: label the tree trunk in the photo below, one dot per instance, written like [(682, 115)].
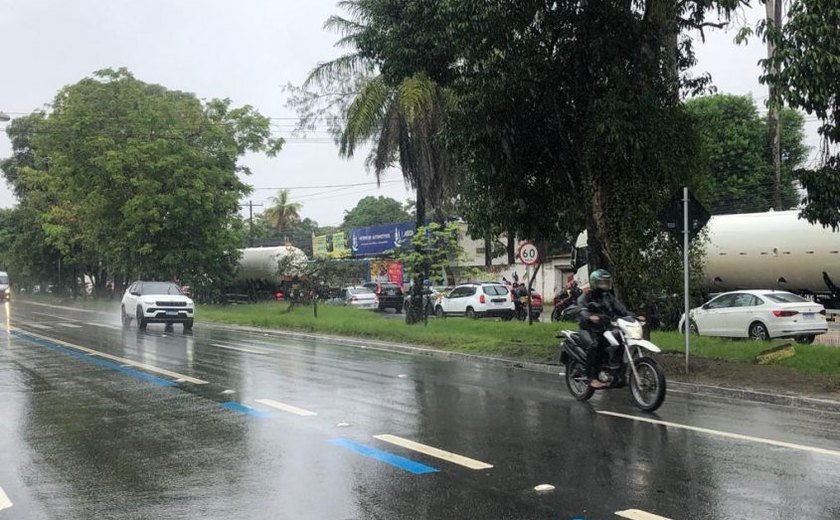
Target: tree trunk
[(511, 254), (530, 284), (415, 300), (488, 251)]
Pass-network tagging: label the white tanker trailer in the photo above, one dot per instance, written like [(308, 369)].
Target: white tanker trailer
[(772, 250), (262, 263)]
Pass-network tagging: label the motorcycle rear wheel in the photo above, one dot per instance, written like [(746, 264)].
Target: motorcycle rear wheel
[(577, 382), (649, 393)]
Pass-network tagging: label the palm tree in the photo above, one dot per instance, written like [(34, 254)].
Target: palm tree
[(282, 214), (402, 121)]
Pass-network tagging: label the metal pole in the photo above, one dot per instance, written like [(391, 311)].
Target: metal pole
[(685, 272)]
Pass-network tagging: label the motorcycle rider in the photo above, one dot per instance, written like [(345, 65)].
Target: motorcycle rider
[(599, 306)]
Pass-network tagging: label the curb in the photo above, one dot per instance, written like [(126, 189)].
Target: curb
[(794, 401)]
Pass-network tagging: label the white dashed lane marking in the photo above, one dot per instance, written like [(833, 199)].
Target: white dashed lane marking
[(238, 349), (635, 514), (286, 407), (434, 452), (736, 436), (5, 503)]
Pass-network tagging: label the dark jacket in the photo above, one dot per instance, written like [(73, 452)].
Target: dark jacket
[(599, 302)]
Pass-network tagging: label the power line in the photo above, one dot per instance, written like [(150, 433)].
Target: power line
[(314, 187)]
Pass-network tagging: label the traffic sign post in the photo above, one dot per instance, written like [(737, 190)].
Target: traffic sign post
[(683, 218), (684, 204), (528, 253)]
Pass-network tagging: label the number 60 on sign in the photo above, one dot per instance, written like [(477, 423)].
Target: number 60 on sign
[(528, 253)]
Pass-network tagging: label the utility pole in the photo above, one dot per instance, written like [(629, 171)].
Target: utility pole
[(773, 9), (250, 217)]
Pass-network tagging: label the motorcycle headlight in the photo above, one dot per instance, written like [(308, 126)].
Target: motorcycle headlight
[(633, 330)]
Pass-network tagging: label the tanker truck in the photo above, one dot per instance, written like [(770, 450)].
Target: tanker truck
[(772, 250), (258, 277)]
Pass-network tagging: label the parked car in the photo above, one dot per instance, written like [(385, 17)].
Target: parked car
[(759, 315), (477, 301), (156, 302), (5, 287), (390, 295), (359, 297)]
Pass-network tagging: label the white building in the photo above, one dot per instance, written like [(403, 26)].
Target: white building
[(550, 278)]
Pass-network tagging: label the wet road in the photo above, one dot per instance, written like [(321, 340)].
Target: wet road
[(100, 422)]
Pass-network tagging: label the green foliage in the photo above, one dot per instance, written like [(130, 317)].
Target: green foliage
[(433, 249), (803, 71), (737, 169), (282, 214), (569, 106), (403, 117), (495, 338), (375, 210), (124, 178)]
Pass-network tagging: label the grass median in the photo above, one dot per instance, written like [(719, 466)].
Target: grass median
[(513, 340)]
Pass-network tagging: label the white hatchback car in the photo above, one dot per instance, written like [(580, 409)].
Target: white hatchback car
[(476, 301), (759, 315), (156, 302)]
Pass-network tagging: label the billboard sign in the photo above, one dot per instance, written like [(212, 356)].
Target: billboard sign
[(319, 245), (376, 240)]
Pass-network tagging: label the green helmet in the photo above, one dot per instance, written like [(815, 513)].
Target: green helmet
[(600, 280)]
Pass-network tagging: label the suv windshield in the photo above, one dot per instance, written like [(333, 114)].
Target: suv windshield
[(159, 288), (784, 297), (4, 280), (495, 290)]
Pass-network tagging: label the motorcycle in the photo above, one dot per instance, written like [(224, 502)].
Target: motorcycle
[(624, 360), (560, 306)]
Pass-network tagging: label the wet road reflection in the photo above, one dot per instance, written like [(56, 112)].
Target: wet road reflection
[(82, 439)]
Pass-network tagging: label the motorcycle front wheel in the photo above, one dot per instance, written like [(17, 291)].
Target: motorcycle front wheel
[(649, 390), (577, 382)]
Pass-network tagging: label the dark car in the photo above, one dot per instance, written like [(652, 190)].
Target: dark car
[(389, 294)]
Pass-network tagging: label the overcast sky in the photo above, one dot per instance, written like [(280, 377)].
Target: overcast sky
[(245, 50)]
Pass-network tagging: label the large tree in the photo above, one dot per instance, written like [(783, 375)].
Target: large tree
[(804, 71), (135, 179), (372, 210), (737, 170), (568, 114)]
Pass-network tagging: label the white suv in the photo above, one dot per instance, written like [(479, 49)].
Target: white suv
[(156, 302), (476, 301)]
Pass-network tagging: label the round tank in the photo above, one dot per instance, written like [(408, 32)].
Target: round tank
[(773, 250), (261, 263)]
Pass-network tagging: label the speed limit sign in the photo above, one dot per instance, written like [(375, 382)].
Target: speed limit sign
[(528, 254)]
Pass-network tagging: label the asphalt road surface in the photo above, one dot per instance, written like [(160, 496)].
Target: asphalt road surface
[(101, 422)]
